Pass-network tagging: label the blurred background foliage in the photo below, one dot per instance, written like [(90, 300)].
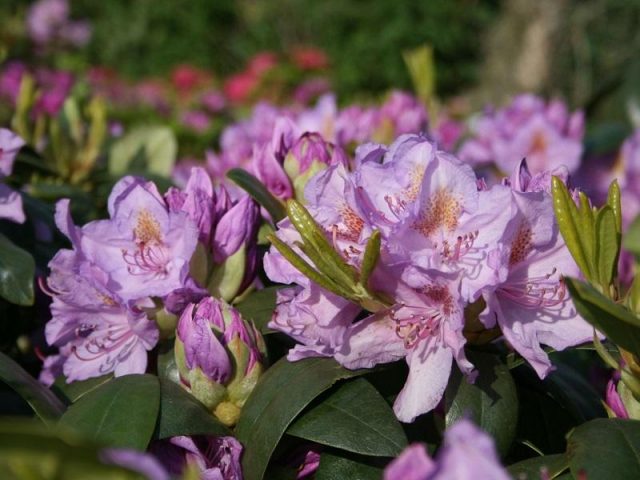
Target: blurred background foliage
[(586, 51)]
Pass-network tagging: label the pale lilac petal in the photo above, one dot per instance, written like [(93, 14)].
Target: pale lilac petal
[(429, 369), (413, 463)]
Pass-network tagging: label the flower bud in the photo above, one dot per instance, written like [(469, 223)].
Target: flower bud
[(219, 356), (309, 155), (620, 402), (234, 250)]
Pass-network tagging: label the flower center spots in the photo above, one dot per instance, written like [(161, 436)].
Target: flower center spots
[(415, 182), (441, 212), (440, 295), (353, 224), (147, 228), (150, 254), (538, 143), (521, 245)]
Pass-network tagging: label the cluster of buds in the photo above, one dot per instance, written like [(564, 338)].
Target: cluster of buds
[(220, 356)]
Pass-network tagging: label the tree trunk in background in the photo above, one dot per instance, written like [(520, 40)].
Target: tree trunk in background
[(520, 49)]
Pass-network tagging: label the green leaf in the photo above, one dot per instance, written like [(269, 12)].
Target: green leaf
[(258, 307), (573, 392), (259, 192), (633, 295), (281, 394), (303, 266), (422, 69), (44, 403), (182, 414), (74, 390), (613, 200), (619, 325), (31, 451), (491, 402), (607, 245), (569, 222), (631, 239), (336, 467), (605, 448), (587, 226), (145, 149), (355, 418), (17, 271), (531, 468), (324, 255), (370, 258), (120, 413)]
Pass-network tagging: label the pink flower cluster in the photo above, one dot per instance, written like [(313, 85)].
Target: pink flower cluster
[(449, 242)]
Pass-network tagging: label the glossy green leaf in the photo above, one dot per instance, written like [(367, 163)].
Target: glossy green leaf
[(569, 222), (259, 306), (74, 390), (120, 413), (619, 325), (607, 245), (605, 448), (30, 451), (17, 272), (337, 467), (491, 402), (181, 414), (258, 192), (355, 418), (531, 468), (282, 393), (150, 149), (43, 401)]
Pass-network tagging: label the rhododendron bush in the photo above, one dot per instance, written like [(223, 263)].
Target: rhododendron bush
[(266, 281)]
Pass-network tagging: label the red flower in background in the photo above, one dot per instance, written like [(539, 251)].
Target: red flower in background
[(261, 63), (310, 58), (187, 78)]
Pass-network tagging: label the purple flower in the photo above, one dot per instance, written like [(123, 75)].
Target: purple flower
[(55, 86), (11, 80), (10, 200), (213, 101), (446, 240), (402, 113), (140, 462), (144, 248), (467, 453), (45, 19), (196, 120), (220, 356), (531, 306), (424, 326), (48, 22), (96, 330), (545, 133), (213, 458), (226, 258), (629, 161)]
